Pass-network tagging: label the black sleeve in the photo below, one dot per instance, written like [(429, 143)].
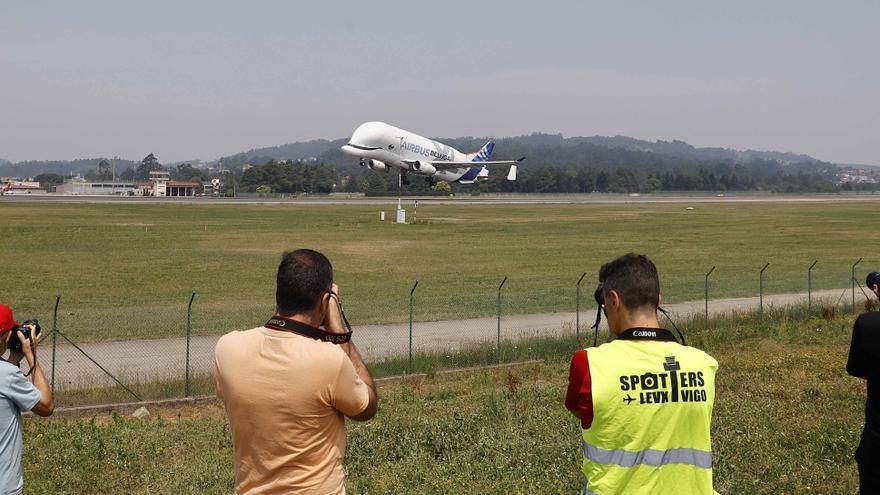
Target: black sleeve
[(857, 364)]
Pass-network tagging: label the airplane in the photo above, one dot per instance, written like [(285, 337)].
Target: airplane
[(382, 147)]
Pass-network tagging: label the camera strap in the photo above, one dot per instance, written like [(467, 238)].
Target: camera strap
[(644, 333), (289, 325)]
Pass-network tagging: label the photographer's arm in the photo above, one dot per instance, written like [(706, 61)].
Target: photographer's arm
[(334, 324), (858, 363), (364, 374), (46, 406)]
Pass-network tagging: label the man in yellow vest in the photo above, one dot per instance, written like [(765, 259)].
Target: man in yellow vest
[(644, 400)]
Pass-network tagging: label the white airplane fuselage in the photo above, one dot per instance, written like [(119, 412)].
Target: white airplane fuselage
[(381, 147)]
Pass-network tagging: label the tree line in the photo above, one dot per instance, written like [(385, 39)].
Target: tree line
[(589, 169), (759, 175)]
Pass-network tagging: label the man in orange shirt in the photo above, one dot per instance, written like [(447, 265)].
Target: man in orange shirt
[(288, 386)]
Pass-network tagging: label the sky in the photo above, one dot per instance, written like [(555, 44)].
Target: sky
[(201, 80)]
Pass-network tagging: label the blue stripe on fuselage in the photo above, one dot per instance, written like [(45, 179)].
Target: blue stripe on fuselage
[(471, 174)]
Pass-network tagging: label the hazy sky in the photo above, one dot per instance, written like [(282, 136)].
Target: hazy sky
[(199, 80)]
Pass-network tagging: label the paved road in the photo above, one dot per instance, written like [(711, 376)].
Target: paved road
[(500, 199), (138, 360)]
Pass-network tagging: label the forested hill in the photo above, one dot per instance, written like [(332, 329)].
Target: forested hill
[(301, 150), (529, 145), (554, 164), (60, 167), (542, 149)]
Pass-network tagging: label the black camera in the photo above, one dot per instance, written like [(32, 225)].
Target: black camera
[(14, 343), (872, 280)]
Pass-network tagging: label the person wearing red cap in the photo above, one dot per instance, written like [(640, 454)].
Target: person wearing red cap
[(18, 394)]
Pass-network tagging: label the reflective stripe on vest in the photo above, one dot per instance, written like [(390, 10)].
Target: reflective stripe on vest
[(648, 457)]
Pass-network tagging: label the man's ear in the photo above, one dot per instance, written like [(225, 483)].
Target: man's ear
[(615, 298), (659, 299), (324, 305)]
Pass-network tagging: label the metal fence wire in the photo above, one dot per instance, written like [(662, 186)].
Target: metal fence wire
[(158, 352)]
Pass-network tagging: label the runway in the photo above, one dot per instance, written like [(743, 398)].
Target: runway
[(484, 199)]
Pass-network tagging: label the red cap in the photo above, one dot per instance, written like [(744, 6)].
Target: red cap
[(6, 321)]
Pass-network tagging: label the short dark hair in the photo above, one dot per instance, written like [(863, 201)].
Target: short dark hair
[(634, 277), (304, 276)]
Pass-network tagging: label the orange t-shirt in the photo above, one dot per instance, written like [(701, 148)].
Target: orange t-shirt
[(285, 395)]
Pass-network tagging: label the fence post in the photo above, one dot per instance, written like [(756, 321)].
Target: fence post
[(810, 287), (577, 306), (54, 339), (852, 281), (761, 292), (410, 366), (189, 314), (498, 307), (706, 285)]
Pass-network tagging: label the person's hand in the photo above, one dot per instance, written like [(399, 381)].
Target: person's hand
[(333, 320), (29, 345)]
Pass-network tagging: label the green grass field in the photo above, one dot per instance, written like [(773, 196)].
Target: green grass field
[(127, 270), (787, 419)]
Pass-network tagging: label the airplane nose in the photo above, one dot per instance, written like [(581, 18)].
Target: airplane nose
[(354, 149)]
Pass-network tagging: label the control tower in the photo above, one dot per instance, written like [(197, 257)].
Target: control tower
[(160, 179)]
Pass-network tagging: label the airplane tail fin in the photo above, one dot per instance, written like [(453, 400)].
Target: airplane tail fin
[(484, 153)]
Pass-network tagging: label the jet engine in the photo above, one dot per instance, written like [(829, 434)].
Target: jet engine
[(424, 168), (373, 164)]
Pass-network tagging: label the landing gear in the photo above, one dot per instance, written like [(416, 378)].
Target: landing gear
[(404, 179), (431, 181)]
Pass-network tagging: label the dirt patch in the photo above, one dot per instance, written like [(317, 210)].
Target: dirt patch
[(444, 220), (373, 249)]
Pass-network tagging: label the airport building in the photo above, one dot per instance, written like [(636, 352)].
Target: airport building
[(160, 185)]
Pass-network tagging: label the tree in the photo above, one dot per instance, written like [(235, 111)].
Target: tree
[(186, 171), (48, 180), (442, 187), (128, 174), (104, 172), (200, 185), (354, 183), (602, 181), (149, 164)]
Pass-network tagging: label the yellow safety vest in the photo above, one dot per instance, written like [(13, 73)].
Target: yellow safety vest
[(652, 412)]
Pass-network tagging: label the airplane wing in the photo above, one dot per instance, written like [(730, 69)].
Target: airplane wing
[(445, 165)]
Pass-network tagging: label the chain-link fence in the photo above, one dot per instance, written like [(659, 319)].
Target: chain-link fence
[(144, 352)]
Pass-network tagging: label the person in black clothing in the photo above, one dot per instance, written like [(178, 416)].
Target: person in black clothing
[(864, 362)]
